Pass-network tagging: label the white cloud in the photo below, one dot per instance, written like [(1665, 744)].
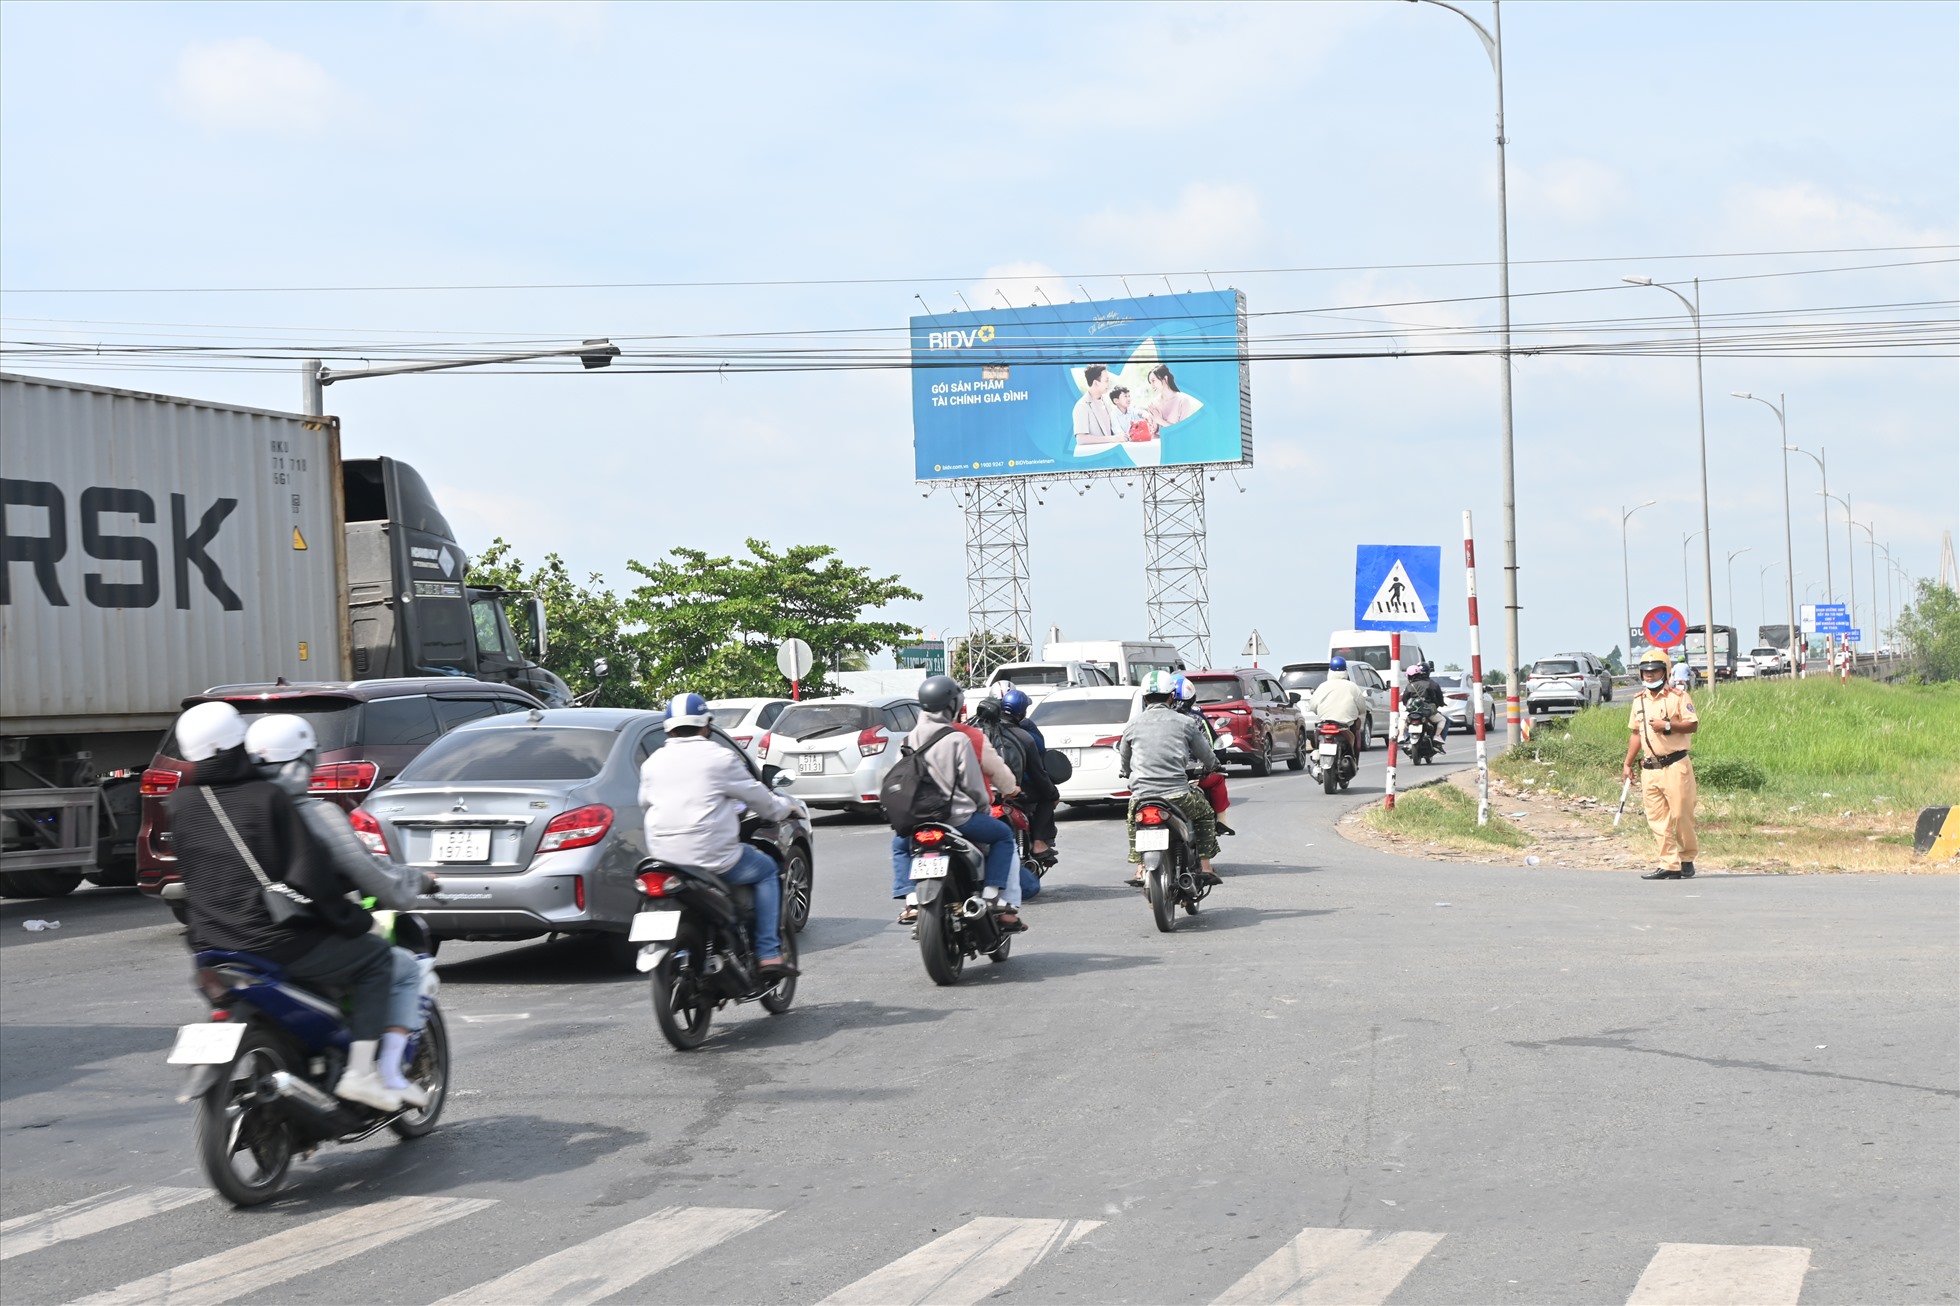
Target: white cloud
[(1208, 222), (1805, 215), (569, 18), (1020, 284), (1573, 190), (248, 84)]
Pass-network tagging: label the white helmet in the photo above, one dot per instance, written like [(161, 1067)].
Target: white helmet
[(285, 749), (209, 729), (689, 710)]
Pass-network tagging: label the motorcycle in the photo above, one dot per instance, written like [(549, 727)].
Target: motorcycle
[(700, 946), (1419, 732), (1171, 876), (955, 922), (264, 1065), (1333, 761)]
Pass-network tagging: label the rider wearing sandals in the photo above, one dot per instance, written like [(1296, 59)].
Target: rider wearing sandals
[(1159, 751), (955, 761)]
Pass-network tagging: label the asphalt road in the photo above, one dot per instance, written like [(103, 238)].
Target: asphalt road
[(1352, 1078)]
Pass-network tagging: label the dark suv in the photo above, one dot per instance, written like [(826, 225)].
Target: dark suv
[(1254, 716), (369, 730)]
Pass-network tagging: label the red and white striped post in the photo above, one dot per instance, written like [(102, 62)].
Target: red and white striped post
[(1394, 711), (1476, 673)]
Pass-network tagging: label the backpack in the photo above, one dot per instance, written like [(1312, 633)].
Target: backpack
[(910, 796), (1006, 741)]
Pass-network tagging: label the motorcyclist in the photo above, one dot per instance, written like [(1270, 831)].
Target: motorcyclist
[(694, 791), (1015, 751), (285, 750), (1014, 706), (1160, 750), (1184, 697), (955, 761), (1422, 689), (234, 833), (1340, 700)]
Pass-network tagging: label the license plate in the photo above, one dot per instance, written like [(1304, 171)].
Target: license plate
[(928, 868), (1074, 755), (1153, 841), (213, 1043), (462, 846), (655, 927), (809, 764), (1330, 751)]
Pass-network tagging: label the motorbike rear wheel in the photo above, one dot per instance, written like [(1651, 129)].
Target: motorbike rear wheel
[(939, 947), (681, 1007), (242, 1144), (1160, 883), (799, 886), (430, 1069), (1330, 775), (778, 999)]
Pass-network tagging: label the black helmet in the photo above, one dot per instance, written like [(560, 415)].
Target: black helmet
[(941, 695)]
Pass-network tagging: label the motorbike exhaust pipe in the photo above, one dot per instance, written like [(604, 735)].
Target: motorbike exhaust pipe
[(312, 1110), (973, 908)]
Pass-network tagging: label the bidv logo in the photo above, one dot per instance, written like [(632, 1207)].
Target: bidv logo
[(959, 339)]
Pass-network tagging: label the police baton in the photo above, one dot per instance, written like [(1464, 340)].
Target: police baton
[(1625, 787)]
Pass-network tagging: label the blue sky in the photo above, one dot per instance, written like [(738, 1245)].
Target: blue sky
[(940, 149)]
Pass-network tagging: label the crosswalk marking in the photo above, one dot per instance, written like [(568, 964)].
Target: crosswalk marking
[(241, 1271), (965, 1266), (1705, 1274), (614, 1261), (57, 1224), (1342, 1267)]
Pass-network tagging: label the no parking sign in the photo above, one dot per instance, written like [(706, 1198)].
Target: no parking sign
[(1664, 627)]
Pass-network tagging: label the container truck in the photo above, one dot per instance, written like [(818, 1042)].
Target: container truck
[(153, 546)]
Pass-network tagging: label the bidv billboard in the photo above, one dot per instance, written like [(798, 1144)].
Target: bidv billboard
[(1101, 386)]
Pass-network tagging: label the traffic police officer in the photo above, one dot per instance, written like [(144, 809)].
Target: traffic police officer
[(1661, 724)]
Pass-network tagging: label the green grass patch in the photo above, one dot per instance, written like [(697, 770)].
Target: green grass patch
[(1446, 814)]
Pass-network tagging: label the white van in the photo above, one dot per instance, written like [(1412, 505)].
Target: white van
[(1371, 646), (1127, 661), (1040, 679)]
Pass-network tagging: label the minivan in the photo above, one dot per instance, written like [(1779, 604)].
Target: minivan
[(1371, 646)]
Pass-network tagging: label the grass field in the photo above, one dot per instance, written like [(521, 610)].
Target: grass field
[(1806, 773), (1448, 815)]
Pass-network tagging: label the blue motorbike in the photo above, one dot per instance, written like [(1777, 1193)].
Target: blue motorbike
[(264, 1065)]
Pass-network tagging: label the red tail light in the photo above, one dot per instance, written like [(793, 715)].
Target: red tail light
[(344, 778), (762, 749), (368, 831), (997, 811), (157, 782), (1107, 741), (929, 837), (1239, 711), (578, 892), (579, 828), (659, 884), (872, 742), (1150, 816), (1330, 728)]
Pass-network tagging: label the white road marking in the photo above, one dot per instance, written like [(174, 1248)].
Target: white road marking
[(1706, 1274), (245, 1270), (1342, 1267), (965, 1266), (57, 1224), (613, 1262)]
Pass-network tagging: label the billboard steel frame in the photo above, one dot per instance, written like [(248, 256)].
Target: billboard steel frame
[(997, 608), (1176, 565)]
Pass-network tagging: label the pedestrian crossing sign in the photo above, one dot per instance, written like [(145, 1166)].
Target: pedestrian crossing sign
[(1396, 586)]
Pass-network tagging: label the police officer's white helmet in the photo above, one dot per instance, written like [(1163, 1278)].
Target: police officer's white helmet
[(208, 729)]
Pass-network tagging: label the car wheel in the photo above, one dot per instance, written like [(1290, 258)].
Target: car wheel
[(1298, 762), (1262, 761), (1367, 732)]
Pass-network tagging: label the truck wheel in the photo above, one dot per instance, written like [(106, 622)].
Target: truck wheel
[(38, 884)]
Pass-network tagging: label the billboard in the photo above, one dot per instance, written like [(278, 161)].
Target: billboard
[(1101, 386)]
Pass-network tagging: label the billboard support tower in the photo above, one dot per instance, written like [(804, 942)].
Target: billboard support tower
[(1176, 573), (996, 575)]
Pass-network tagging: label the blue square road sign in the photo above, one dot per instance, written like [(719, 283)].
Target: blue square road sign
[(1397, 586)]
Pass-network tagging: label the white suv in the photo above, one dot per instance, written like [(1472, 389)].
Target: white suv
[(839, 748)]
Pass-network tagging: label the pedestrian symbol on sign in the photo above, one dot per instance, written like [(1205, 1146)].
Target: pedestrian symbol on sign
[(1397, 600)]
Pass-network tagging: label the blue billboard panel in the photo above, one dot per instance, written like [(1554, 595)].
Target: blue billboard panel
[(1106, 385)]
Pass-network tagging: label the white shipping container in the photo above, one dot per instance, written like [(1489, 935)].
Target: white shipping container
[(154, 546)]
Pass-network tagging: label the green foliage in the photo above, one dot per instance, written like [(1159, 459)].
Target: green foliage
[(1728, 774), (712, 624), (583, 623), (1930, 627), (1447, 814), (987, 650)]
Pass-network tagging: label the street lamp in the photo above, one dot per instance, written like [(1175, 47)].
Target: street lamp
[(1872, 540), (315, 378), (1732, 557), (1830, 586), (1493, 39), (1762, 584), (1626, 576), (1701, 408), (1687, 589), (1781, 408), (1850, 571)]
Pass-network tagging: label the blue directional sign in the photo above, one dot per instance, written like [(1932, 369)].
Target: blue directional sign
[(1397, 586), (1853, 634), (1826, 618)]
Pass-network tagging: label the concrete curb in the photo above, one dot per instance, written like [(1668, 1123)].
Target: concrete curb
[(1937, 835)]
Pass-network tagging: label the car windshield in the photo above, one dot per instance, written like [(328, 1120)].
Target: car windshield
[(335, 721), (1448, 679), (728, 717), (1312, 679), (1218, 689), (1555, 669), (1375, 655), (809, 720), (1110, 711), (1138, 670), (513, 753), (1764, 652), (1035, 676)]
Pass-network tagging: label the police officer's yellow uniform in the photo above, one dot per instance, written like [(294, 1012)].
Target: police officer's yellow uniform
[(1667, 776)]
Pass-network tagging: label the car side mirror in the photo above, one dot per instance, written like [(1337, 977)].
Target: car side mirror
[(782, 780), (1294, 698), (599, 668)]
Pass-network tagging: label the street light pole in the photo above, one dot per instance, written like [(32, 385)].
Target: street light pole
[(1850, 569), (1732, 557), (1762, 591), (1687, 586), (1830, 586), (1872, 541), (1626, 574), (1493, 39), (1701, 409), (1781, 408)]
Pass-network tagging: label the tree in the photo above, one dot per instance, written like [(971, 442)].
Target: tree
[(1931, 629), (986, 651), (712, 625), (583, 623)]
